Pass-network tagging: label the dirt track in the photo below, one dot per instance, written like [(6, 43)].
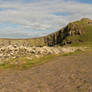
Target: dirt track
[(63, 74)]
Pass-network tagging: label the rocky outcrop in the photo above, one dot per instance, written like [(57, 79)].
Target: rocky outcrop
[(87, 20), (59, 38), (14, 52), (67, 35), (71, 33), (38, 47)]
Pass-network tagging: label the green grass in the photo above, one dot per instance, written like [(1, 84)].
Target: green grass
[(26, 63), (77, 52), (26, 42), (85, 37)]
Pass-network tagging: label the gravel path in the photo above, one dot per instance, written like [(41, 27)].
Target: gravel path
[(63, 74)]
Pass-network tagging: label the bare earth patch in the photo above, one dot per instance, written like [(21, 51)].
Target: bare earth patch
[(63, 74)]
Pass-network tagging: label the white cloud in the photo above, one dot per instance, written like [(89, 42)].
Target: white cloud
[(41, 15)]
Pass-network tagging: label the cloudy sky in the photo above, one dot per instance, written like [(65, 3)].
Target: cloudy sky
[(34, 18)]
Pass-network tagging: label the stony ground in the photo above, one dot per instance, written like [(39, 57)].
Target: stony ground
[(15, 52), (63, 74)]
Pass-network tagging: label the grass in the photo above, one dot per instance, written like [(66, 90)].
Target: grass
[(26, 63), (85, 37), (26, 42), (77, 52)]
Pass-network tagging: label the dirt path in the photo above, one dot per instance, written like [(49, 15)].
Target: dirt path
[(64, 74)]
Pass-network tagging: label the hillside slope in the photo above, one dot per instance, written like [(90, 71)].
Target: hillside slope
[(74, 33)]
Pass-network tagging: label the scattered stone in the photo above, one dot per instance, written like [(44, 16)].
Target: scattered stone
[(31, 52)]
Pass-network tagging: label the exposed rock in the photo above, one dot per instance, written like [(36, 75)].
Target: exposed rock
[(78, 31), (31, 52), (67, 35)]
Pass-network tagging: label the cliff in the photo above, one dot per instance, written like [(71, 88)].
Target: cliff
[(75, 32)]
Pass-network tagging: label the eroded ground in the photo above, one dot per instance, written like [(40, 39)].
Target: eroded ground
[(63, 74)]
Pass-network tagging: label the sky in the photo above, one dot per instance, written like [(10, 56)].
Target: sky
[(35, 18)]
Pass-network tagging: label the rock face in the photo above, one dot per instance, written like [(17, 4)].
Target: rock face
[(73, 32), (79, 31)]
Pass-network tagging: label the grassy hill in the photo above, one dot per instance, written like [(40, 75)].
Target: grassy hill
[(75, 33)]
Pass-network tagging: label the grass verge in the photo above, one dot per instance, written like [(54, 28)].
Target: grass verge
[(26, 63)]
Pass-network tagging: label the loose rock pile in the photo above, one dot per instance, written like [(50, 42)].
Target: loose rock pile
[(22, 51), (14, 51)]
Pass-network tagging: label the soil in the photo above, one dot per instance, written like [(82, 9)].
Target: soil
[(63, 74)]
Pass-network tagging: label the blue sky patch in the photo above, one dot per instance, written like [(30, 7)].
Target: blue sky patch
[(61, 14), (85, 1), (33, 18), (9, 24), (3, 9)]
